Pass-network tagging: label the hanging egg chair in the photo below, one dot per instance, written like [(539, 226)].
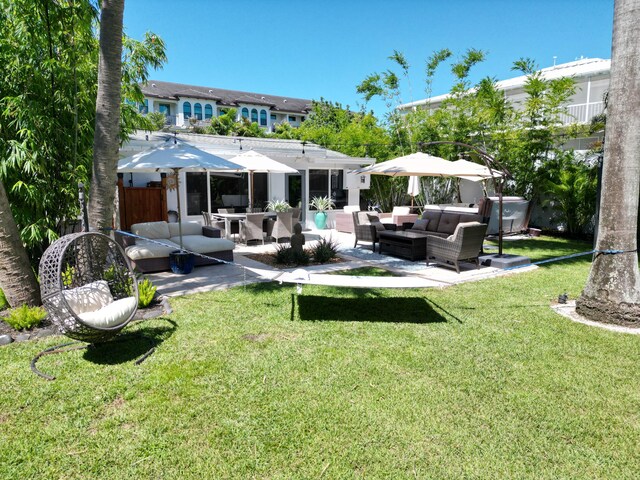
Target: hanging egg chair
[(88, 287)]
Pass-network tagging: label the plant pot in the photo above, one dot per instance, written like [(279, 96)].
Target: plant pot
[(181, 262), (321, 220)]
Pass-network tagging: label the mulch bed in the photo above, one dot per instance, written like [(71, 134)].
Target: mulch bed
[(270, 259)]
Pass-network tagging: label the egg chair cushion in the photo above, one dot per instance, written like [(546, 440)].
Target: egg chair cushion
[(88, 298), (111, 315)]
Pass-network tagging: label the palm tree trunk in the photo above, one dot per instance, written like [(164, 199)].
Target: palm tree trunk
[(16, 276), (106, 141), (612, 292)]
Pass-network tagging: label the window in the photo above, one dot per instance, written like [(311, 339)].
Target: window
[(254, 115), (245, 112), (196, 193), (228, 190), (263, 118), (292, 118), (222, 111), (197, 111), (274, 117), (164, 108), (302, 119), (144, 107), (328, 183), (208, 111), (186, 109)]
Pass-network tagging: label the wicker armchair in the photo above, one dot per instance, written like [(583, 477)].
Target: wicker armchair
[(365, 230), (464, 244), (251, 227), (283, 226)]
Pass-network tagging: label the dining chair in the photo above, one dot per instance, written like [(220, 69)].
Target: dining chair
[(283, 226), (251, 227)]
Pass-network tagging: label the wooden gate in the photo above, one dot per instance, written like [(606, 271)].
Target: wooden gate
[(142, 204)]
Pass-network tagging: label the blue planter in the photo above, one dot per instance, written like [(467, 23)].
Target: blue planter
[(321, 220), (181, 262)]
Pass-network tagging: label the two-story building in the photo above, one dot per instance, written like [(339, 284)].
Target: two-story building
[(592, 76), (180, 103)]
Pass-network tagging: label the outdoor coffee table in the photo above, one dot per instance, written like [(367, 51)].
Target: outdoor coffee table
[(409, 245)]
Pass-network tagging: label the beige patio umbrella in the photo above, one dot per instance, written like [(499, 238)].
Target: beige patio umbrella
[(253, 161), (413, 188)]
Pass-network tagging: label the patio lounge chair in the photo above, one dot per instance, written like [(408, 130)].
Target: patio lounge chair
[(464, 244), (366, 227), (251, 227)]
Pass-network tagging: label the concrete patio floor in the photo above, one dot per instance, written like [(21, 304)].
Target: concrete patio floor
[(217, 277)]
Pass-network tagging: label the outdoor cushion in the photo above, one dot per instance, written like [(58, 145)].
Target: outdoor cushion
[(110, 315), (434, 219), (88, 298), (144, 249), (420, 224), (351, 208), (201, 244), (374, 220), (448, 222), (151, 230), (463, 224), (188, 228), (400, 210)]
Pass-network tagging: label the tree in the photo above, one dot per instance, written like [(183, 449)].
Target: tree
[(612, 291), (106, 134)]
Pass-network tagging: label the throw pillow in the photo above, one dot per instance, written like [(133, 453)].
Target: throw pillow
[(374, 220), (420, 224)]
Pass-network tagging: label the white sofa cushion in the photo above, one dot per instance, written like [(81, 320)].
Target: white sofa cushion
[(88, 298), (144, 249), (351, 208), (110, 315), (202, 244), (153, 230), (188, 228), (401, 210)]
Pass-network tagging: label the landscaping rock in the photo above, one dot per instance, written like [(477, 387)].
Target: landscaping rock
[(5, 339), (22, 337), (45, 332)]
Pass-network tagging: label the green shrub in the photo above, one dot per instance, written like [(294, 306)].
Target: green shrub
[(25, 317), (3, 300), (324, 250), (146, 292), (285, 255)]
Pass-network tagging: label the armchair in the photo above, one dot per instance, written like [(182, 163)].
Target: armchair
[(464, 244), (366, 227)]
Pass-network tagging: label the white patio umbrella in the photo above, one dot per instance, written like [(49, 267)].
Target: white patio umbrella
[(253, 161), (483, 172), (173, 157), (414, 187)]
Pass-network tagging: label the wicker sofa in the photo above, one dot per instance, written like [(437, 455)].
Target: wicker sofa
[(442, 221), (151, 256)]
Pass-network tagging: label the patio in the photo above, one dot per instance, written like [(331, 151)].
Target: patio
[(219, 277)]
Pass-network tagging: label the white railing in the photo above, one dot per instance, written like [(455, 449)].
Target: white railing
[(582, 112)]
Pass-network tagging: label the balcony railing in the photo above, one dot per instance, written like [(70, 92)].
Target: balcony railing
[(582, 112)]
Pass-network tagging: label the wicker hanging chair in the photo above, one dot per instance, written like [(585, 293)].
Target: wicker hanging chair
[(88, 287)]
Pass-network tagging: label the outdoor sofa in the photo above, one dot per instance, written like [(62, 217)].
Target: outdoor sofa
[(147, 255)]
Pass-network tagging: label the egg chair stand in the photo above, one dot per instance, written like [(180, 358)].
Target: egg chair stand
[(88, 289)]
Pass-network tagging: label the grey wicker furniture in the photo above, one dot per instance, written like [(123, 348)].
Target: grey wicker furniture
[(252, 228), (283, 226), (367, 231), (410, 245), (87, 286), (464, 244)]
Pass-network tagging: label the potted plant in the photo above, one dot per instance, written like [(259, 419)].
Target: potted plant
[(321, 204), (278, 206)]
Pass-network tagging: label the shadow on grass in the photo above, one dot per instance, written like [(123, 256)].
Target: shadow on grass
[(371, 309), (132, 343)]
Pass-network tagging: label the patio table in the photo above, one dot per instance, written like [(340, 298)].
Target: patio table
[(410, 245), (236, 217)]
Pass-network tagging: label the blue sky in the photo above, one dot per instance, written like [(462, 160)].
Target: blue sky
[(313, 49)]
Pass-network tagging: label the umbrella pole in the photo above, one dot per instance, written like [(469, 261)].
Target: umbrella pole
[(176, 171)]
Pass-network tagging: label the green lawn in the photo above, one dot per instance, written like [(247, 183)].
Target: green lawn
[(480, 380)]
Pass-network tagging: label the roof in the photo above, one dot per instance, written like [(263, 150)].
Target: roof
[(174, 91), (289, 152), (586, 67)]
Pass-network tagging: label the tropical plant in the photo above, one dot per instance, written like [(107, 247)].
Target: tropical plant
[(278, 206), (146, 293), (322, 203), (285, 255), (157, 120), (25, 317), (324, 250), (3, 300)]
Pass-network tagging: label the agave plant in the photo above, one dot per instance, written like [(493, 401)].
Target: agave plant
[(322, 203), (278, 206)]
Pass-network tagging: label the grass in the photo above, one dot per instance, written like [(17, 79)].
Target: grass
[(480, 380)]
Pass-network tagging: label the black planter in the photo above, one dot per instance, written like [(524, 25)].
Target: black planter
[(181, 262)]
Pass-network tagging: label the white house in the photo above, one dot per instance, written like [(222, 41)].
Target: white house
[(180, 102), (592, 76), (322, 172)]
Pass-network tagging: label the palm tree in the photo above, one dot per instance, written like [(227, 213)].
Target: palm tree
[(612, 292), (16, 277), (107, 127)]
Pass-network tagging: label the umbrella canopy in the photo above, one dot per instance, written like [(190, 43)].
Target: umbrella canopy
[(253, 161), (174, 156), (481, 172), (414, 187), (422, 164)]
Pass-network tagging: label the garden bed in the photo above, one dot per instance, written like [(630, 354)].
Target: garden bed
[(270, 259)]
